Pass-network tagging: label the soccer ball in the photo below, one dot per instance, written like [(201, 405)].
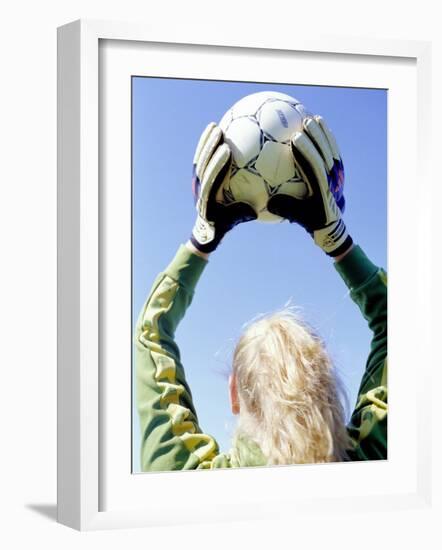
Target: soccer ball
[(258, 129)]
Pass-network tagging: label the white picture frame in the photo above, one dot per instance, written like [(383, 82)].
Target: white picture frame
[(96, 491)]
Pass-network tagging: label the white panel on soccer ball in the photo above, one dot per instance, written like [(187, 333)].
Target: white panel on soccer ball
[(279, 119), (283, 97), (275, 163), (244, 138), (247, 187), (226, 120), (268, 217), (295, 188), (250, 104)]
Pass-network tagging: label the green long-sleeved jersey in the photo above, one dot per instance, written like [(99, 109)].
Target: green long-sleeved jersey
[(171, 436)]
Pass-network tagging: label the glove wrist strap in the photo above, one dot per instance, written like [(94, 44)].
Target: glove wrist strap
[(203, 236), (333, 239)]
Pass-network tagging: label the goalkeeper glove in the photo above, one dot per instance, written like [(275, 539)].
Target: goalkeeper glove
[(211, 169), (317, 158)]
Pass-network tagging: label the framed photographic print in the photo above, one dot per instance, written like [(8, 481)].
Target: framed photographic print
[(228, 212)]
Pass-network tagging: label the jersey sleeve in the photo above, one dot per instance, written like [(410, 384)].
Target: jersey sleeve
[(368, 289), (171, 438)]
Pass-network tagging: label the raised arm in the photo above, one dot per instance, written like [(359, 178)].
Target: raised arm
[(317, 158), (171, 438), (368, 289)]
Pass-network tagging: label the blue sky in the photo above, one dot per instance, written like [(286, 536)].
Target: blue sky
[(258, 267)]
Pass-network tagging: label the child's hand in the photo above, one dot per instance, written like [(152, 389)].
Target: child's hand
[(317, 158), (211, 168)]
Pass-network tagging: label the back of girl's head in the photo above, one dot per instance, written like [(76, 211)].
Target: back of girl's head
[(289, 393)]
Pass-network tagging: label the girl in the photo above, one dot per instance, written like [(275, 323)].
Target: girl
[(283, 386)]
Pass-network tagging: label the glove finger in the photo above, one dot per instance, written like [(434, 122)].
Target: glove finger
[(237, 212), (310, 163), (330, 137), (197, 165), (212, 137), (286, 207), (318, 137), (201, 142), (214, 175)]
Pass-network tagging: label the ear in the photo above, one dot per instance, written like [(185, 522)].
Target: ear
[(233, 390)]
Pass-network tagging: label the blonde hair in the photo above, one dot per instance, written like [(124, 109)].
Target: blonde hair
[(289, 392)]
